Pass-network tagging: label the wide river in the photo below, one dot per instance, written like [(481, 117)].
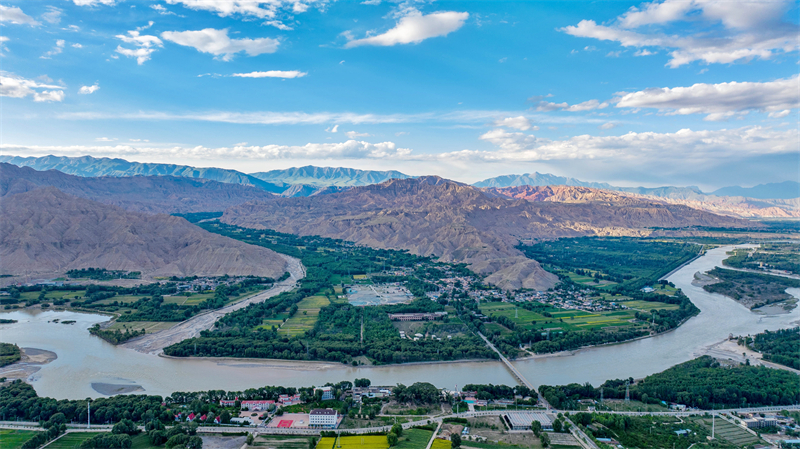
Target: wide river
[(84, 359)]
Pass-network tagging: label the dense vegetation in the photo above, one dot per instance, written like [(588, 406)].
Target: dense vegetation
[(101, 274), (753, 289), (632, 263), (774, 256), (782, 346), (700, 383), (337, 334), (9, 353), (116, 336), (487, 392)]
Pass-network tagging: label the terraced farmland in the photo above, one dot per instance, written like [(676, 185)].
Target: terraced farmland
[(730, 432)]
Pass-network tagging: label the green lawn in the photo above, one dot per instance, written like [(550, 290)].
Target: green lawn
[(54, 294), (142, 441), (14, 439), (71, 440), (563, 319), (150, 327), (414, 439), (648, 305)]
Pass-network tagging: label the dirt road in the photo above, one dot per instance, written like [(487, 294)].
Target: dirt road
[(155, 343)]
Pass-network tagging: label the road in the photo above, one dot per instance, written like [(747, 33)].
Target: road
[(156, 342), (515, 372)]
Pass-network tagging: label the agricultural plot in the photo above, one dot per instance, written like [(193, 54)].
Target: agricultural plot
[(54, 294), (729, 432), (306, 316), (647, 306), (414, 439), (441, 444), (561, 319), (71, 440), (355, 442), (14, 439), (281, 442)]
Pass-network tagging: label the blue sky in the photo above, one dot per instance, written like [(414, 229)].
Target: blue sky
[(689, 92)]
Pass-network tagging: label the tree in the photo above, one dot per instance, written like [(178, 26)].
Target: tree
[(455, 440), (536, 426), (194, 442), (544, 439), (557, 426), (225, 417), (363, 383), (250, 439), (125, 426), (397, 429), (391, 438)]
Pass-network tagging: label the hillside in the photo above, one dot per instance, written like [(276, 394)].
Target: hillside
[(777, 190), (46, 231), (460, 223), (87, 166), (328, 176), (151, 194)]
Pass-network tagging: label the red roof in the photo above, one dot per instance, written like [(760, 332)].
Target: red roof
[(285, 423)]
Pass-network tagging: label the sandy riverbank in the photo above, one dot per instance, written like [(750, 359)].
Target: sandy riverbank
[(31, 362), (730, 351)]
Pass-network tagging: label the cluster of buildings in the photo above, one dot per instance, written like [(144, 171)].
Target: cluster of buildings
[(756, 421), (572, 299), (417, 316), (359, 393)]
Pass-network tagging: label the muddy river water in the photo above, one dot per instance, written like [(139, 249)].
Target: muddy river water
[(84, 360)]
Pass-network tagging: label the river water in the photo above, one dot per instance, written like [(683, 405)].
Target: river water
[(84, 359)]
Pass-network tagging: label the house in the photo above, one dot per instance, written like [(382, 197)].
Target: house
[(203, 418), (417, 316), (228, 403), (218, 420), (191, 417), (323, 417), (246, 421), (327, 393), (285, 399)]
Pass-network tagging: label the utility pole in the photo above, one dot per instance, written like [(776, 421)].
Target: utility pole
[(89, 414)]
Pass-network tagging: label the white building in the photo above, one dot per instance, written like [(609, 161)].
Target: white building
[(327, 393), (323, 417)]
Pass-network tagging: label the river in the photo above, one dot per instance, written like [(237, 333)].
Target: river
[(84, 359)]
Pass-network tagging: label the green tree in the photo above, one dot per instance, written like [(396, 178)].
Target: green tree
[(536, 426), (455, 440), (225, 417), (392, 438), (544, 439), (397, 429)]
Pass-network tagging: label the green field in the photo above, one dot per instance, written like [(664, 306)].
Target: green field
[(414, 439), (648, 305), (54, 294), (150, 327), (14, 439), (71, 440), (306, 316), (729, 432), (142, 441), (561, 319), (440, 444)]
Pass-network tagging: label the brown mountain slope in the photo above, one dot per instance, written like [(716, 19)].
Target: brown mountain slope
[(723, 205), (48, 231), (457, 222), (152, 194)]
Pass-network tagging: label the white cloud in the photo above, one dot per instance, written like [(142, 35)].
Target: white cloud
[(608, 125), (351, 149), (355, 134), (613, 54), (780, 114), (644, 52), (333, 129), (414, 27), (646, 146), (94, 2), (73, 28), (269, 10), (521, 123), (724, 32), (15, 15), (53, 15), (17, 87), (55, 50), (86, 90), (48, 95), (217, 43), (144, 27), (717, 99), (580, 107), (162, 10), (147, 45), (77, 46), (105, 139), (272, 74)]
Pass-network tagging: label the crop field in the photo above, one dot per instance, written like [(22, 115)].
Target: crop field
[(281, 442), (55, 294), (149, 327), (414, 439), (647, 305), (440, 444), (358, 441), (71, 440), (588, 280), (563, 319), (730, 432), (14, 439), (306, 316)]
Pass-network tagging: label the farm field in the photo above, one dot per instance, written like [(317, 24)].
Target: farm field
[(414, 439), (14, 439), (353, 442), (54, 294), (149, 327), (563, 319), (281, 442), (71, 440), (440, 444), (647, 305), (305, 317), (729, 432)]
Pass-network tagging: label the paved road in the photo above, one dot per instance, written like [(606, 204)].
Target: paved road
[(156, 342)]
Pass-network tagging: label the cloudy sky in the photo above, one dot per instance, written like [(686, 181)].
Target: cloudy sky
[(688, 92)]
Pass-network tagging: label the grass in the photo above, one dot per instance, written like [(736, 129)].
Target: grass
[(729, 432), (306, 316), (142, 441), (414, 439), (72, 440), (54, 294), (150, 327), (648, 305), (14, 439)]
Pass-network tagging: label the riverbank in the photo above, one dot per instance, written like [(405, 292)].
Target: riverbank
[(31, 362), (730, 351)]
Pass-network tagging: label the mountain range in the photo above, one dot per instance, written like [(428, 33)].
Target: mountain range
[(45, 232), (328, 176), (461, 223)]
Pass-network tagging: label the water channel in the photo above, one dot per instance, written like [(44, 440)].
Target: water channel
[(84, 359)]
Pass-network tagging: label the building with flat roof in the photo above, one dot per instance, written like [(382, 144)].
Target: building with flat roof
[(323, 418), (523, 420)]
